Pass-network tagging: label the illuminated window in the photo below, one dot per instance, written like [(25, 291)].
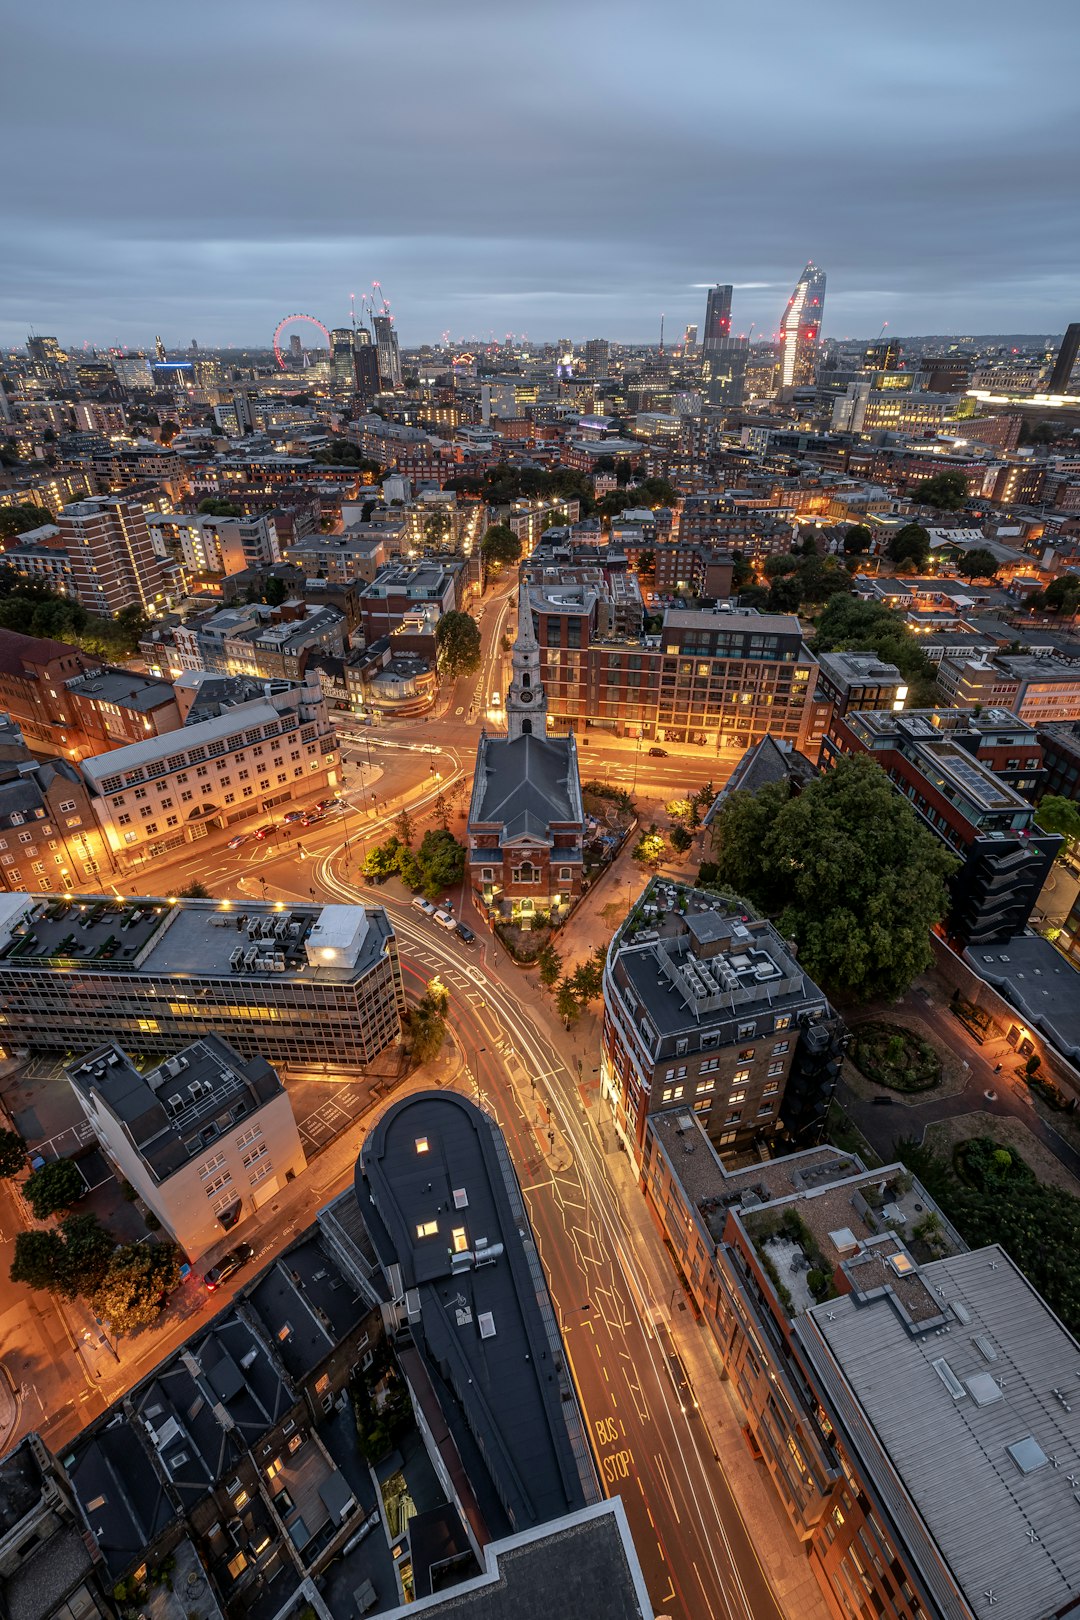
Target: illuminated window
[(421, 1144), (272, 1470), (427, 1229), (461, 1242)]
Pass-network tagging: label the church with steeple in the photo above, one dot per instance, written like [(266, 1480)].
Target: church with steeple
[(526, 826)]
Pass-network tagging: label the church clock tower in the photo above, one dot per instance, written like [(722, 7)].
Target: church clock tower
[(526, 700)]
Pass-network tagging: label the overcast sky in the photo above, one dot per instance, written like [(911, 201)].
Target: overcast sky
[(560, 168)]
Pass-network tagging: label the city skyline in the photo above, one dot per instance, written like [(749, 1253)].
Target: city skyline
[(440, 165)]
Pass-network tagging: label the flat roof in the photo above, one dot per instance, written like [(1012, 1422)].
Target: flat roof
[(964, 1436), (190, 938), (1041, 983), (436, 1188)]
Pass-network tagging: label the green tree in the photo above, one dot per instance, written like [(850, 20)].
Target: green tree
[(849, 871), (783, 563), (135, 1285), (587, 979), (426, 1023), (88, 1248), (978, 563), (384, 859), (679, 809), (567, 1004), (12, 1154), (57, 1185), (500, 548), (275, 591), (650, 848), (442, 862), (681, 839), (550, 964), (437, 527), (858, 539), (194, 891), (457, 641), (909, 546), (851, 625), (405, 827), (1058, 815), (1061, 596), (21, 519), (945, 491), (755, 596), (218, 506), (38, 1260), (168, 431), (742, 573)]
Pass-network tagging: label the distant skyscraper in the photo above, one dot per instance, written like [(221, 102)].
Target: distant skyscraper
[(597, 354), (386, 342), (1066, 360), (342, 364), (366, 366), (159, 349), (717, 318), (801, 328), (723, 373), (689, 341)]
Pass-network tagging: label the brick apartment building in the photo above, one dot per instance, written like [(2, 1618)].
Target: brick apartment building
[(722, 680), (708, 1009)]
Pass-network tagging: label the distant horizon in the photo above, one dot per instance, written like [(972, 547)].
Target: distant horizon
[(672, 341)]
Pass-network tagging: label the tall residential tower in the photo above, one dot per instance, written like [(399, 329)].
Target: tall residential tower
[(717, 319)]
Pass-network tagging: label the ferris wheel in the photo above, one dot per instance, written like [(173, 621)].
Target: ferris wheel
[(288, 321)]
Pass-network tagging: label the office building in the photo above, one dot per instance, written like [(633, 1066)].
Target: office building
[(800, 329), (1061, 752), (945, 773), (690, 339), (883, 355), (1065, 364), (342, 362), (723, 372), (597, 357), (389, 355), (906, 1398), (526, 820), (113, 561), (205, 1138), (267, 750), (479, 1342), (717, 328), (310, 985), (708, 1009)]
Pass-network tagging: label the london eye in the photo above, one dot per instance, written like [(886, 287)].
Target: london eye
[(279, 356)]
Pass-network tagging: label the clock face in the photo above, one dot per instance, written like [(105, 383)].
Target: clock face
[(526, 697)]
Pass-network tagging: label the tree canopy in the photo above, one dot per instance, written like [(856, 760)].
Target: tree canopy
[(502, 484), (500, 547), (851, 625), (909, 545), (1058, 815), (457, 639), (12, 1154), (342, 452), (978, 563), (218, 506), (426, 1023), (1061, 596), (35, 610), (945, 491), (858, 539), (135, 1285), (57, 1185), (812, 579), (438, 865), (848, 871), (21, 519)]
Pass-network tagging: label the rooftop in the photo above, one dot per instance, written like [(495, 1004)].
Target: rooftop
[(1041, 983), (526, 784), (175, 1111), (965, 1435), (436, 1188), (120, 686), (194, 938)]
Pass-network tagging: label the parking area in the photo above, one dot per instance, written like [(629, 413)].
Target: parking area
[(325, 1109)]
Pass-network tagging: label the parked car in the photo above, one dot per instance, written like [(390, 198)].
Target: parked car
[(423, 905), (444, 919), (234, 843), (264, 832), (466, 934), (227, 1265), (312, 817), (658, 753), (291, 816)]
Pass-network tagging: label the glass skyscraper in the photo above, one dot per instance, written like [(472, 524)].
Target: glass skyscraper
[(800, 329), (717, 319)]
